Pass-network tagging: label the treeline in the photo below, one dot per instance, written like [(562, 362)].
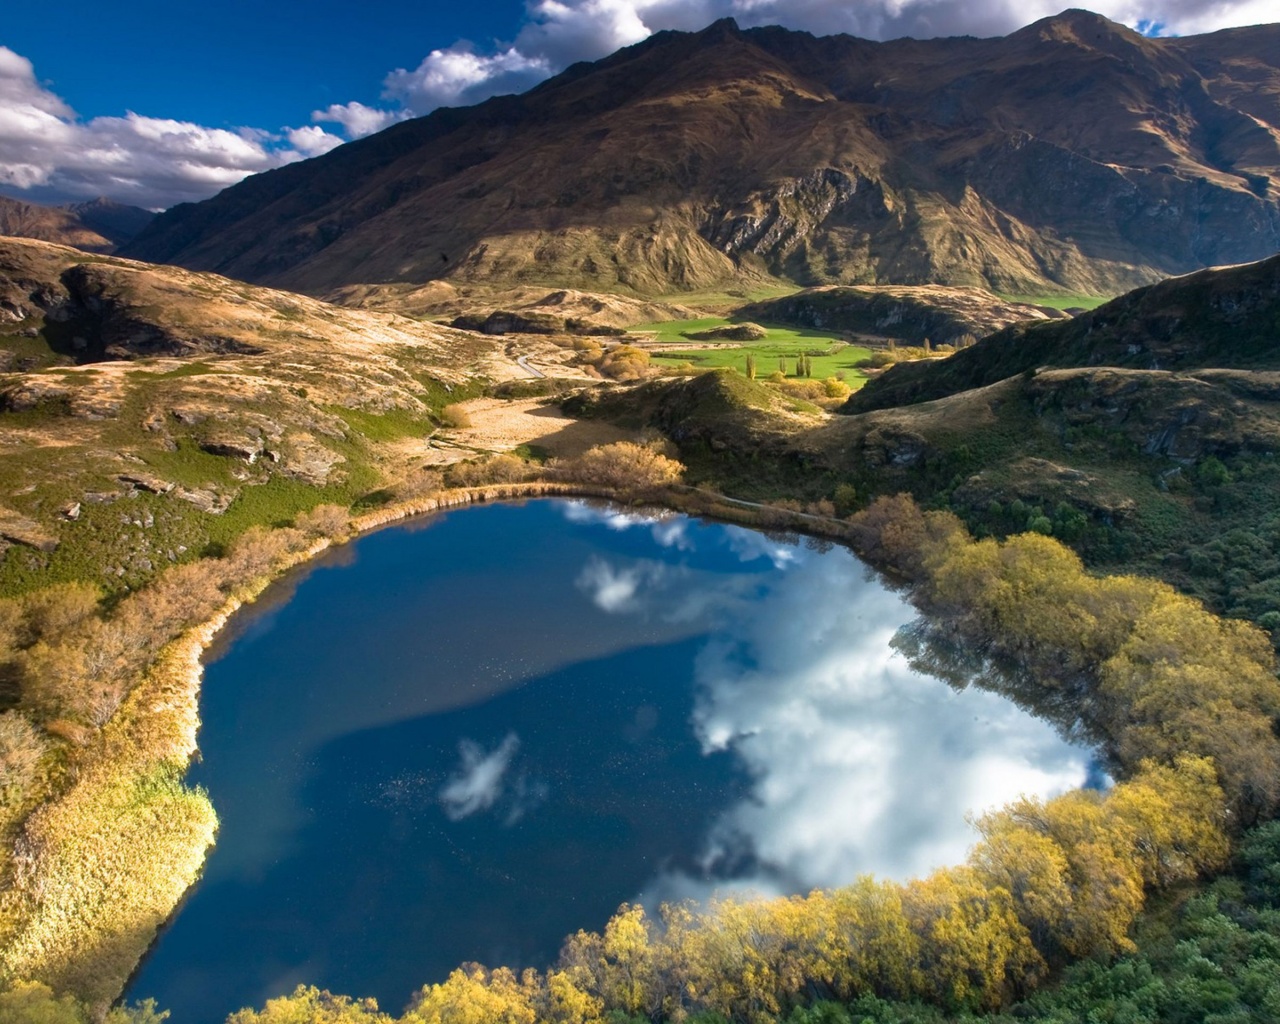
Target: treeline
[(1150, 669), (1186, 702)]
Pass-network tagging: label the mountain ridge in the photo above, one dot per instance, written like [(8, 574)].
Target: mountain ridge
[(97, 225), (1073, 155)]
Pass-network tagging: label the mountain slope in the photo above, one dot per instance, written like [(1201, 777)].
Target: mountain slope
[(1225, 318), (1074, 154), (98, 225)]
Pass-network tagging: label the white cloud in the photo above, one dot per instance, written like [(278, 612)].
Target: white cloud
[(312, 141), (479, 782), (459, 76), (48, 152), (558, 33), (153, 162), (356, 119)]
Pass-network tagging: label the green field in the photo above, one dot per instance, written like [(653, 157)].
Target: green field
[(730, 298), (1059, 301), (831, 355)]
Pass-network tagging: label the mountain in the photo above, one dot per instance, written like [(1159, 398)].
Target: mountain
[(1074, 155), (1226, 318), (99, 225)]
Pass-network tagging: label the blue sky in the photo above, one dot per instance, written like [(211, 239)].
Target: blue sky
[(238, 62), (155, 103)]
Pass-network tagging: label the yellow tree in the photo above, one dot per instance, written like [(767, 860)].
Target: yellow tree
[(973, 948), (474, 995)]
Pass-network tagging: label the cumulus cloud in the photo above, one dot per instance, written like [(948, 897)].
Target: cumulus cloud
[(50, 153), (558, 33), (312, 141), (478, 783), (358, 120)]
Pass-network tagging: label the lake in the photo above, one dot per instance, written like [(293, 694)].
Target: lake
[(465, 737)]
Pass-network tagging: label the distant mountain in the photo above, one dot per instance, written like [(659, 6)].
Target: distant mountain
[(1225, 318), (99, 225), (1072, 155)]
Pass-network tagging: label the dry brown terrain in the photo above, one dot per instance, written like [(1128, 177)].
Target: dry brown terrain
[(1073, 155)]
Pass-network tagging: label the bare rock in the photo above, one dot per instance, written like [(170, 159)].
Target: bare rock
[(205, 499), (21, 530), (146, 482), (309, 461)]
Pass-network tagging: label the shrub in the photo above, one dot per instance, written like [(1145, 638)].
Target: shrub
[(21, 748), (258, 549), (624, 362), (624, 465), (421, 484), (324, 521), (498, 469), (55, 610), (455, 416), (836, 388)]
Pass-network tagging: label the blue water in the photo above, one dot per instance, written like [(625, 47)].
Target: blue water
[(465, 738)]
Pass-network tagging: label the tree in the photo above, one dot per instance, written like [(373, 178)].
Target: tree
[(473, 994), (624, 465), (309, 1005)]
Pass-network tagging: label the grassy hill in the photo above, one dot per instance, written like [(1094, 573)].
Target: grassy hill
[(1229, 317)]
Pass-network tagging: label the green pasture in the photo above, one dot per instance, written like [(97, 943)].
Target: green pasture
[(831, 355), (1059, 301)]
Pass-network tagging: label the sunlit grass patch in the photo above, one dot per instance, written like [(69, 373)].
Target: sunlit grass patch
[(830, 355), (1065, 301)]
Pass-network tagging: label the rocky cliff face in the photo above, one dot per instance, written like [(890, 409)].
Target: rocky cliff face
[(1074, 154)]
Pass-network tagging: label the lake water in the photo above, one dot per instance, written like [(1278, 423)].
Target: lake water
[(464, 738)]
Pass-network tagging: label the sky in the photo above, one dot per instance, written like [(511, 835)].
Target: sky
[(155, 103)]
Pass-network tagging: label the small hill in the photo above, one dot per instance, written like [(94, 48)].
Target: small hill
[(729, 332), (910, 314), (1227, 318), (99, 225)]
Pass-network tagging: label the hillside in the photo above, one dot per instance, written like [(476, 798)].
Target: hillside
[(911, 314), (1074, 156), (1227, 317), (98, 225), (197, 405)]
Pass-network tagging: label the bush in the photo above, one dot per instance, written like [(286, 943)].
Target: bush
[(498, 469), (455, 416), (624, 362), (258, 549), (56, 610), (21, 748), (624, 465), (324, 521), (836, 388), (421, 484)]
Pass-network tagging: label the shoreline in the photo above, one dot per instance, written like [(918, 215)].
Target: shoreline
[(171, 687)]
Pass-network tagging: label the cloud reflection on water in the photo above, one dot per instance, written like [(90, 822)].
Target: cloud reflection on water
[(861, 765)]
